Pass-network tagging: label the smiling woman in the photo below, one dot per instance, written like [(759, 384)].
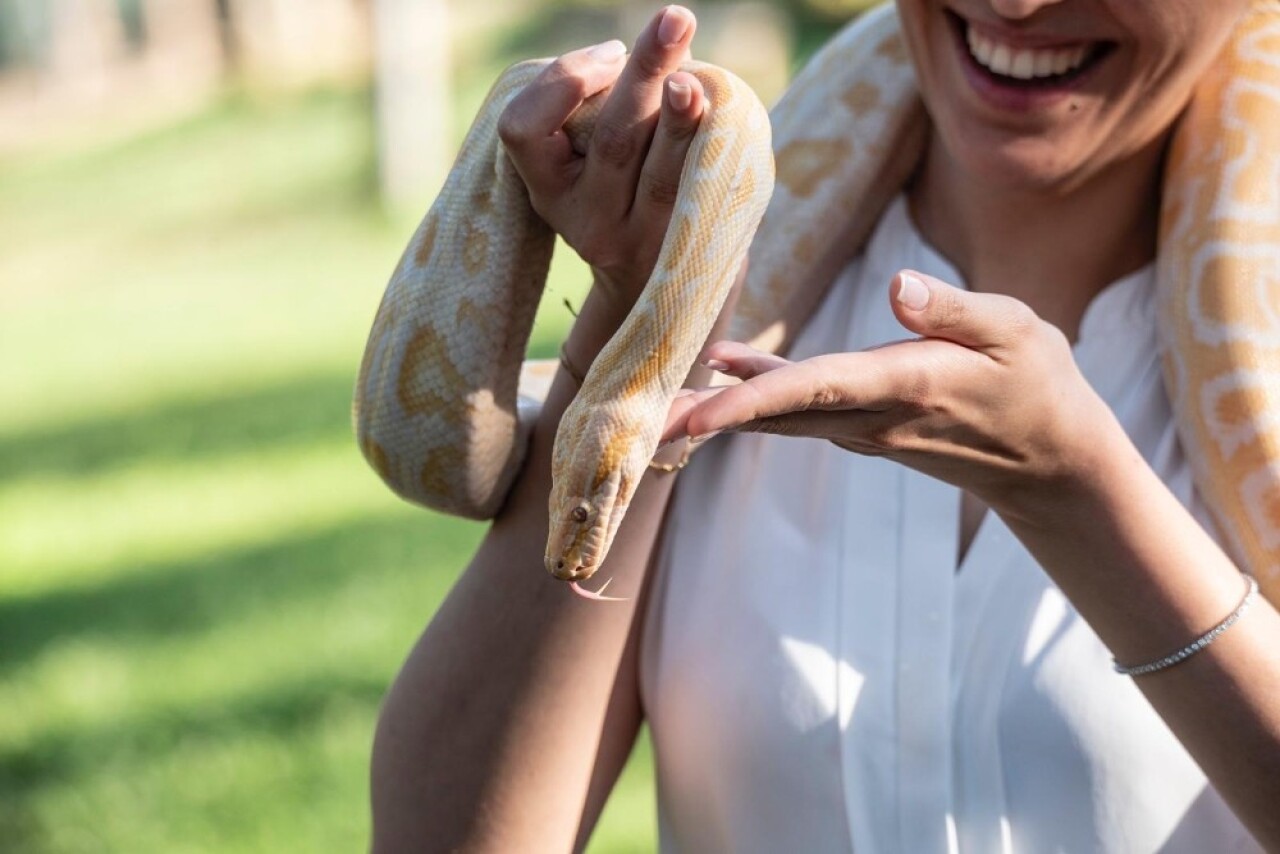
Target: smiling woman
[(904, 637), (1130, 69)]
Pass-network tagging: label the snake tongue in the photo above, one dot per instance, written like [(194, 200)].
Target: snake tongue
[(596, 595)]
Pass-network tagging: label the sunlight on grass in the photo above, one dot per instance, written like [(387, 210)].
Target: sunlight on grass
[(56, 531), (328, 608)]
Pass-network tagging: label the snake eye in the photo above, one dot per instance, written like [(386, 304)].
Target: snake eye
[(580, 513)]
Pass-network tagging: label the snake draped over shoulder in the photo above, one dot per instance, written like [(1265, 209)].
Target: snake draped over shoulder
[(436, 401)]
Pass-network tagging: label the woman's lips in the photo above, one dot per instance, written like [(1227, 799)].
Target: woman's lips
[(1025, 73)]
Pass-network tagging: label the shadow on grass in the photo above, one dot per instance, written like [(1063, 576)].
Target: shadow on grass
[(322, 575), (284, 714), (172, 600), (281, 712), (301, 411)]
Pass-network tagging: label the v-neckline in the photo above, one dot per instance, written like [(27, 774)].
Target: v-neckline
[(963, 545)]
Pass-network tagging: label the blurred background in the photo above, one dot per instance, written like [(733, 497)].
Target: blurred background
[(203, 590)]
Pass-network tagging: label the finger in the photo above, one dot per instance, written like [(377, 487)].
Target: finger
[(869, 380), (741, 360), (627, 120), (934, 309), (682, 106), (686, 401), (532, 125)]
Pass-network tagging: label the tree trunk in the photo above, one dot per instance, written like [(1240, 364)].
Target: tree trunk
[(411, 40)]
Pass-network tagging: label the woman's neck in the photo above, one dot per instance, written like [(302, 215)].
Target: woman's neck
[(1054, 251)]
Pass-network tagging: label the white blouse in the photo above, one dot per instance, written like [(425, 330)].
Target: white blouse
[(819, 677)]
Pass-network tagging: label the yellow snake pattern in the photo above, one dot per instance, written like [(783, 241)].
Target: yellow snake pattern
[(436, 409), (850, 128), (1219, 268)]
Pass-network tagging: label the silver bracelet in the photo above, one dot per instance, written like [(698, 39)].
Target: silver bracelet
[(1197, 644)]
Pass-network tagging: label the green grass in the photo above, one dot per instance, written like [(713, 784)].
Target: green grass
[(203, 590)]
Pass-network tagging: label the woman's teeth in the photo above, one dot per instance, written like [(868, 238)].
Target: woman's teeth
[(1024, 63)]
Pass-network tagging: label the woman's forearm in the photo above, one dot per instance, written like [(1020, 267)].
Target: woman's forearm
[(1149, 580), (519, 704)]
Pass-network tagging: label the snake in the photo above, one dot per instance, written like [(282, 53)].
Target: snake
[(797, 191)]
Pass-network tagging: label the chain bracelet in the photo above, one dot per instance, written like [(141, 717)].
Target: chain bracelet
[(1197, 644)]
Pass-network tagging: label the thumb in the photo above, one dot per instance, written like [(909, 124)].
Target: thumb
[(933, 309)]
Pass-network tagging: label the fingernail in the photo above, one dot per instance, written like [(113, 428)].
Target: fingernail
[(680, 95), (698, 440), (673, 26), (685, 392), (716, 365), (610, 51), (912, 292)]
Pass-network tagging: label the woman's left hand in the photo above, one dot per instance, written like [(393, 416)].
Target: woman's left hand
[(989, 397)]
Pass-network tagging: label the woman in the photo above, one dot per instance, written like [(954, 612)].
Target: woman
[(877, 700)]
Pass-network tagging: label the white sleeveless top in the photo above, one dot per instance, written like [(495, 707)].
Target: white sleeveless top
[(819, 677)]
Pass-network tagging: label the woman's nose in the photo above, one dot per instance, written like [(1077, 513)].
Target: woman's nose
[(1018, 9)]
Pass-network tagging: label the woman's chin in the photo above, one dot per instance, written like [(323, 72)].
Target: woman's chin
[(1029, 164)]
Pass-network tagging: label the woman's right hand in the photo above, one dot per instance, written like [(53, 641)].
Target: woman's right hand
[(613, 203)]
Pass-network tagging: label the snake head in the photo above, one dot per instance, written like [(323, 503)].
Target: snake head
[(583, 524)]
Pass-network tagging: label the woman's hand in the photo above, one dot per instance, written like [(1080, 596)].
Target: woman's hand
[(988, 398), (611, 203)]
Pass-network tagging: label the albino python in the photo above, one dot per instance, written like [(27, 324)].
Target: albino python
[(435, 405)]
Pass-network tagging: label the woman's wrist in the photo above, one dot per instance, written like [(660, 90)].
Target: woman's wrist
[(1132, 559), (1092, 451), (599, 318)]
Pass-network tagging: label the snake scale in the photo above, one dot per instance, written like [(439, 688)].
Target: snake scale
[(435, 404)]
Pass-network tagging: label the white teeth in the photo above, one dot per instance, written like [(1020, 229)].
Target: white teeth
[(1023, 63), (980, 48), (1069, 59)]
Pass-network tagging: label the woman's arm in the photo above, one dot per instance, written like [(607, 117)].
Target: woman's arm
[(518, 693), (1149, 580), (517, 708)]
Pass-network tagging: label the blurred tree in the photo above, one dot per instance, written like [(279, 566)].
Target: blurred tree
[(762, 40), (88, 37), (227, 34), (840, 9), (411, 39), (24, 32), (808, 23), (134, 22), (184, 40), (291, 44), (754, 39), (837, 9)]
